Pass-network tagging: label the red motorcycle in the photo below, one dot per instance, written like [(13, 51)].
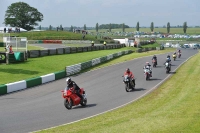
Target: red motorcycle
[(72, 99)]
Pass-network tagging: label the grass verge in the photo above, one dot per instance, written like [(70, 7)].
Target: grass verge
[(49, 64), (173, 107)]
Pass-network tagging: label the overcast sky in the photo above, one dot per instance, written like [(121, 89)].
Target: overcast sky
[(90, 12)]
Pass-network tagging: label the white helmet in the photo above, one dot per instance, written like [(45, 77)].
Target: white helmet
[(68, 80)]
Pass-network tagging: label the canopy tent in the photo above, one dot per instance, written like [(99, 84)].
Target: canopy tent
[(13, 29)]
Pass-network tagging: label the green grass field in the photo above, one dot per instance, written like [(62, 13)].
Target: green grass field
[(52, 35), (48, 64), (172, 107), (65, 35), (190, 31)]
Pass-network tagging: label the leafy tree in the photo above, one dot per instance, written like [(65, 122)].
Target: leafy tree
[(61, 28), (97, 27), (168, 27), (185, 27), (137, 26), (152, 27), (84, 26), (110, 27), (123, 27), (71, 29), (50, 27), (22, 15), (114, 26)]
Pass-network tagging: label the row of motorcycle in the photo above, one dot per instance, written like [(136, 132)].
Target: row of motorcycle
[(129, 86), (71, 99)]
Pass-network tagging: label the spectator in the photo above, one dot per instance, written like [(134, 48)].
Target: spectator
[(83, 36), (104, 43), (4, 30), (92, 44)]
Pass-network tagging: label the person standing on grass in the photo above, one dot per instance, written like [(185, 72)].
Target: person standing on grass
[(104, 43), (92, 44)]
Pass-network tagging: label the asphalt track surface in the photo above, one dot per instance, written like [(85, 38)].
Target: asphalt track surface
[(42, 107)]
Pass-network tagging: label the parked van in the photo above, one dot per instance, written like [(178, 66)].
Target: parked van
[(186, 46)]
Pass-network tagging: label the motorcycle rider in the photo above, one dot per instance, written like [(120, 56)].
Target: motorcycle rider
[(168, 56), (179, 52), (154, 58), (130, 74), (71, 84), (168, 60), (148, 66)]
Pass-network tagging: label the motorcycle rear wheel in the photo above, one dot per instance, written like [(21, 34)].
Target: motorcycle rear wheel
[(68, 104)]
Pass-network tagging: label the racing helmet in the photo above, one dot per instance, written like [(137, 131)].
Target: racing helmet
[(68, 80), (127, 70), (147, 63)]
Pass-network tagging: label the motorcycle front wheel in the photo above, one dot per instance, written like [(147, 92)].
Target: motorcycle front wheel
[(127, 86), (68, 104), (84, 103), (147, 77)]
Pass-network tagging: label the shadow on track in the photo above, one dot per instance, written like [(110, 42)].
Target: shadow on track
[(138, 89), (87, 106)]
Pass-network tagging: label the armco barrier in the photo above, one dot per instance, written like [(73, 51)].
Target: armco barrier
[(86, 65), (60, 74), (68, 50), (103, 59), (33, 82), (3, 89), (74, 69), (20, 85), (48, 78), (70, 70)]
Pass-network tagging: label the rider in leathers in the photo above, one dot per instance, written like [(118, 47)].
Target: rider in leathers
[(155, 58), (71, 84), (130, 74), (168, 60), (148, 66)]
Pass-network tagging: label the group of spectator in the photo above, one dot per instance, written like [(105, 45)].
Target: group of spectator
[(17, 30)]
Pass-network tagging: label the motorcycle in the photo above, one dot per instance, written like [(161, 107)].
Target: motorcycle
[(128, 83), (72, 99), (147, 74), (174, 56), (167, 67), (179, 55), (154, 62)]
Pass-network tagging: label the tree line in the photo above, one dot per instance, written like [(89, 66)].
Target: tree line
[(20, 14)]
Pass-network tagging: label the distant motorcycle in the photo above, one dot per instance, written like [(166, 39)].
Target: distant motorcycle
[(179, 55), (128, 83), (167, 67), (154, 62), (72, 99), (174, 56), (147, 74)]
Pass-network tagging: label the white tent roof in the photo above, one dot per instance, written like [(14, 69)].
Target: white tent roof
[(13, 29)]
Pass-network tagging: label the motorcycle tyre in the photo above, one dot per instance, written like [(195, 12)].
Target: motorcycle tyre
[(147, 77), (84, 102), (127, 86), (154, 64), (68, 104), (167, 70)]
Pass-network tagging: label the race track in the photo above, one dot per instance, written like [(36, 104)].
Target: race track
[(42, 106)]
